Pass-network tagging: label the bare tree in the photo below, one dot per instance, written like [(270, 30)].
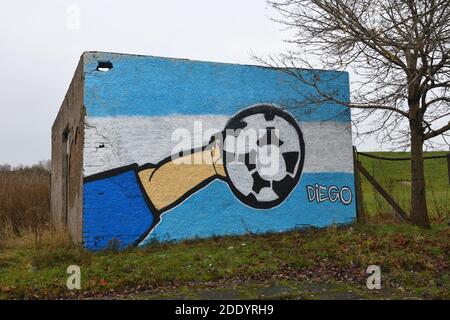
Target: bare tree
[(400, 52)]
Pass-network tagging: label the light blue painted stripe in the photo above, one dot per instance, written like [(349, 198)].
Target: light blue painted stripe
[(215, 211), (139, 86)]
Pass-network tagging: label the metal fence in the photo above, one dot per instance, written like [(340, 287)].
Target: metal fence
[(383, 182)]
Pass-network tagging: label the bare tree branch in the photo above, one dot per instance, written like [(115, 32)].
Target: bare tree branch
[(434, 133)]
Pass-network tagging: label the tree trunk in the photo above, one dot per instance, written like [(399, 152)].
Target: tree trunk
[(419, 212)]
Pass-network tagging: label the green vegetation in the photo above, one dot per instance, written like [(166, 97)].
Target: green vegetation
[(414, 262), (329, 263), (395, 177)]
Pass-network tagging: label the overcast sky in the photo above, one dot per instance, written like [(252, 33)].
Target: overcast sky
[(41, 42)]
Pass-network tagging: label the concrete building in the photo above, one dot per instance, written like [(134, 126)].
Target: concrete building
[(158, 149)]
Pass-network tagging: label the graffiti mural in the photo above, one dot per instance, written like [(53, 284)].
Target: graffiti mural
[(255, 165), (319, 193), (231, 156)]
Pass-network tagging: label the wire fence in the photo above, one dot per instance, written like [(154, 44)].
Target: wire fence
[(392, 171)]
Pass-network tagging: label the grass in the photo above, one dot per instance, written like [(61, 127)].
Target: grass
[(412, 260), (395, 177)]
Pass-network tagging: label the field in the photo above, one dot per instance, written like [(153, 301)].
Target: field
[(309, 264), (395, 177), (24, 200)]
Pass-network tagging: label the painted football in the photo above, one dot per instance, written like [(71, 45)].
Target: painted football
[(263, 152)]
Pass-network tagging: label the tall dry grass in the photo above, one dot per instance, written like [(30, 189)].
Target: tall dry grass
[(24, 201)]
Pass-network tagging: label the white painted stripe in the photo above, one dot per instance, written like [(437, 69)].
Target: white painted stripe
[(112, 142)]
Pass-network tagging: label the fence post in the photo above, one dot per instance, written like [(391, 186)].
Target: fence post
[(401, 214), (360, 212)]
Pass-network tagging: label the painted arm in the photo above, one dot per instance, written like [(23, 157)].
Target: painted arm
[(174, 179)]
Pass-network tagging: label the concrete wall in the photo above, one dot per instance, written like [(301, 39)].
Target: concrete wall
[(70, 119), (138, 114)]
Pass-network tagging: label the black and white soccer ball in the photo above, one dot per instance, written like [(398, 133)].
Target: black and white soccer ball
[(263, 153)]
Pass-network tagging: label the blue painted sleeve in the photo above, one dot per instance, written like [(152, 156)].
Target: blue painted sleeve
[(116, 210)]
